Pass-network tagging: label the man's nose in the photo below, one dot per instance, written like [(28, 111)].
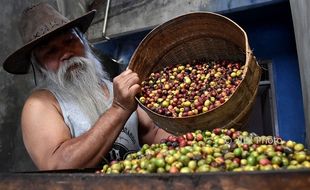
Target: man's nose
[(66, 55)]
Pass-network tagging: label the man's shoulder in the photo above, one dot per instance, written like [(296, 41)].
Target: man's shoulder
[(41, 94), (41, 97)]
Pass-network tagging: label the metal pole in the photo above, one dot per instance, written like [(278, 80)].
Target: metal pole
[(105, 20)]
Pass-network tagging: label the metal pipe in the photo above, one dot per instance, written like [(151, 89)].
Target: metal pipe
[(105, 20)]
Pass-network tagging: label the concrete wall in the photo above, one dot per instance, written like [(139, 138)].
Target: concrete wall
[(13, 90), (127, 16), (300, 11)]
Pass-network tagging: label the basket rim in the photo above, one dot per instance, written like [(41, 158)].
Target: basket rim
[(180, 18)]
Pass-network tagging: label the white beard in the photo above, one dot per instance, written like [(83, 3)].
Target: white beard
[(81, 84)]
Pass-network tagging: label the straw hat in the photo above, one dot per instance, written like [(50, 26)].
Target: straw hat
[(37, 24)]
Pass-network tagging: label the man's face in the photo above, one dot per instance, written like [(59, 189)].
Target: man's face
[(71, 69), (51, 53)]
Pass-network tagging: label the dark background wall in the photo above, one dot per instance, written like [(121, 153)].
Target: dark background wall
[(14, 90)]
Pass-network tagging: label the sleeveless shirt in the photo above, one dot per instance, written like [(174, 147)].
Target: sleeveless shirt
[(79, 123)]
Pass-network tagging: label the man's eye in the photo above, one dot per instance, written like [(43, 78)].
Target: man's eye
[(51, 51), (70, 39)]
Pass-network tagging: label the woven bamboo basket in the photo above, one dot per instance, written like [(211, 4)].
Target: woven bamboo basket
[(195, 36)]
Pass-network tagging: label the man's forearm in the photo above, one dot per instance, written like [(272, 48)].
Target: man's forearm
[(88, 149), (160, 134)]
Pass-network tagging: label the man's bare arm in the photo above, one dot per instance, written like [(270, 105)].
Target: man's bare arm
[(49, 142), (149, 133), (48, 139)]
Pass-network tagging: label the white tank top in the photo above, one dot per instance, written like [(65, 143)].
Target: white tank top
[(78, 123)]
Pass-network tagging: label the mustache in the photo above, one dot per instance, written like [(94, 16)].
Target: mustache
[(74, 63), (73, 66)]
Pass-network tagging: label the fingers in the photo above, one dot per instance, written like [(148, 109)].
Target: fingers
[(135, 89), (126, 86), (125, 73), (127, 83), (126, 79), (132, 79)]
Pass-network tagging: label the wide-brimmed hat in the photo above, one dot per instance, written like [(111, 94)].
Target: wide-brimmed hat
[(37, 24)]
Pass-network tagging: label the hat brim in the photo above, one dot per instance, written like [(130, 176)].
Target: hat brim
[(19, 61)]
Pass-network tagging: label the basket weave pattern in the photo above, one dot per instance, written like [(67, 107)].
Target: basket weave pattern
[(195, 36)]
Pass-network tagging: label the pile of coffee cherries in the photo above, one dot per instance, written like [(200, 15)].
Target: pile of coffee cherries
[(219, 150), (191, 89)]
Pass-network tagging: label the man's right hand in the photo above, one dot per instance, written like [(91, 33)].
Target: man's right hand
[(125, 87)]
